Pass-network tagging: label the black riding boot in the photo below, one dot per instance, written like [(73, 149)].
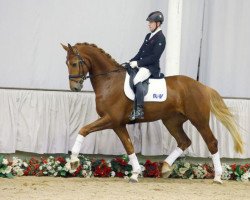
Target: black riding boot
[(138, 112)]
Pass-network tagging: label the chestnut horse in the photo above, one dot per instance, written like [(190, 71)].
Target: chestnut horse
[(187, 100)]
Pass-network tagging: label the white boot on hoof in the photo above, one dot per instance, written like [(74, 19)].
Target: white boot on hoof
[(166, 170), (134, 177), (74, 162), (217, 179)]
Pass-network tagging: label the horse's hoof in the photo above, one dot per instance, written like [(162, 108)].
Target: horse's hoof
[(74, 163), (134, 178), (217, 180), (166, 174), (166, 170)]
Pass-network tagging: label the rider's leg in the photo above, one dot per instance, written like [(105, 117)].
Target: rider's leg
[(139, 96), (141, 76)]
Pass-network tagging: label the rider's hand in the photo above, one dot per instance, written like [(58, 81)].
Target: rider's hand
[(133, 64)]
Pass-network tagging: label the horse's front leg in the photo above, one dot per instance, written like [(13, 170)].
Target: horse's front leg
[(126, 141), (100, 124)]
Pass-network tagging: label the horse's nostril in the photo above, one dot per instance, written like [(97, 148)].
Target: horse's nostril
[(76, 89), (73, 89)]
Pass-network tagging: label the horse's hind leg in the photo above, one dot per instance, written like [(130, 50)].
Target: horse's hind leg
[(212, 145), (174, 126)]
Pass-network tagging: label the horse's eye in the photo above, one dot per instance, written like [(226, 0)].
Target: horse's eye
[(74, 64)]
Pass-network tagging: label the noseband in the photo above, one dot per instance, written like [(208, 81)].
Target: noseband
[(81, 65)]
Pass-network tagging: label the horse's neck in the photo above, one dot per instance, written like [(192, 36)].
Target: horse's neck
[(100, 66), (104, 76), (103, 79)]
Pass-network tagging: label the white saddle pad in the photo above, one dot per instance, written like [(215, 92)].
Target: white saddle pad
[(157, 90)]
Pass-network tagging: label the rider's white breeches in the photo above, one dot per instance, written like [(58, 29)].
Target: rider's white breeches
[(141, 75)]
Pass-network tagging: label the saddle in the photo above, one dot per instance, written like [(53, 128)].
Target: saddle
[(155, 89), (132, 73)]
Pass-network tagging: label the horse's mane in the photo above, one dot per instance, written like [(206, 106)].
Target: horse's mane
[(101, 50)]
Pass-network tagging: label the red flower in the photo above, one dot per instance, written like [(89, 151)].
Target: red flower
[(119, 174), (233, 167), (151, 169), (77, 170), (243, 168), (44, 160), (26, 172), (103, 161), (102, 170), (210, 171), (61, 160), (247, 166), (121, 161), (37, 166)]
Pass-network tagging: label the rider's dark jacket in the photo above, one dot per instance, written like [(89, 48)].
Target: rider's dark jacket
[(150, 53)]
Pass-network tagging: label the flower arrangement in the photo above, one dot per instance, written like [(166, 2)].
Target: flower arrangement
[(152, 169), (120, 167), (184, 170), (101, 168), (117, 167), (236, 172), (5, 168)]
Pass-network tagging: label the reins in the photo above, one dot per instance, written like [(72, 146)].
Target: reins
[(101, 74)]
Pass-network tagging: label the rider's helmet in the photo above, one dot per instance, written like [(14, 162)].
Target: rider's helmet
[(156, 16)]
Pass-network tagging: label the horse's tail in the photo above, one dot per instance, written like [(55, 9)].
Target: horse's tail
[(222, 113)]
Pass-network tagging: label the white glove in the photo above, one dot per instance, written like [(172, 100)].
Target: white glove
[(124, 64), (133, 64)]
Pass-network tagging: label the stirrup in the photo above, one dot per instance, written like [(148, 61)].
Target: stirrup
[(139, 114), (132, 115)]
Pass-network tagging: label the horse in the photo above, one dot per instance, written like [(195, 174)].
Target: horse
[(187, 99)]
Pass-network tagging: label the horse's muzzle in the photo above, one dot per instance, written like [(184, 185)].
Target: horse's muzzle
[(77, 87)]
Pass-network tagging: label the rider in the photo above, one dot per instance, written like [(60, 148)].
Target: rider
[(147, 60)]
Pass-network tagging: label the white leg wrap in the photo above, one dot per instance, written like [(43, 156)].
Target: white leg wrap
[(77, 146), (173, 156), (217, 164), (134, 162)]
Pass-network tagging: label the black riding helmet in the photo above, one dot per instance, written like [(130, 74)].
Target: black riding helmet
[(156, 16)]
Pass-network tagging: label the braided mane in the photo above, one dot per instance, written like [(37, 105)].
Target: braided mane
[(101, 50)]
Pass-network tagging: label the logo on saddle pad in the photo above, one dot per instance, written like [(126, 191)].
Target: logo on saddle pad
[(157, 96), (157, 90)]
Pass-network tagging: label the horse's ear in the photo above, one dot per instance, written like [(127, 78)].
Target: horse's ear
[(65, 47), (70, 49)]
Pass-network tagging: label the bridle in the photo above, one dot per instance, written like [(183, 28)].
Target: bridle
[(81, 63)]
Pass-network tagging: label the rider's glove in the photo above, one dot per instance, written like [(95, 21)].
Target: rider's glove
[(133, 64), (125, 65)]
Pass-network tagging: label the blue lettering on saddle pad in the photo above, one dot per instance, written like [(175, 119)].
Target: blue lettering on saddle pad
[(157, 96)]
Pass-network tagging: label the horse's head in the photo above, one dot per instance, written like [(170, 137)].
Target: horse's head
[(77, 67)]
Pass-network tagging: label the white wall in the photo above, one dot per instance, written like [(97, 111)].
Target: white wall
[(31, 32), (226, 45)]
